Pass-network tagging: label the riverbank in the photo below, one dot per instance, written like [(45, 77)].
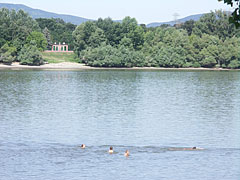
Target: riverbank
[(78, 66)]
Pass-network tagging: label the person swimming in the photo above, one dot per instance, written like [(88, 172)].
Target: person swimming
[(185, 149), (193, 148), (126, 154), (83, 146), (110, 150)]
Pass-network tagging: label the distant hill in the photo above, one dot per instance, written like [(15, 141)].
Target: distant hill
[(37, 13), (193, 17)]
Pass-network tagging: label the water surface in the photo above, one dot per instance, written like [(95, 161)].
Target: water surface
[(46, 115)]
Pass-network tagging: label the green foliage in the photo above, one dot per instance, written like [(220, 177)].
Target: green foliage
[(168, 56), (30, 55), (15, 27), (39, 38), (59, 31), (234, 64), (97, 38), (112, 30), (235, 18), (7, 54), (82, 35), (209, 42), (47, 35), (215, 23), (188, 26), (109, 56)]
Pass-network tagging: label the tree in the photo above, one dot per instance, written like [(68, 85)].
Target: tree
[(39, 38), (30, 55), (168, 56), (235, 19), (60, 31), (81, 36), (15, 27), (234, 64), (131, 30), (97, 38), (126, 42), (188, 26), (7, 54), (47, 35), (112, 30), (215, 23)]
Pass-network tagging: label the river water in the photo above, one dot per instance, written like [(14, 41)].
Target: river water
[(46, 115)]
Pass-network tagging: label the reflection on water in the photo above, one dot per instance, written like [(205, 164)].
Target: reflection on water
[(46, 115)]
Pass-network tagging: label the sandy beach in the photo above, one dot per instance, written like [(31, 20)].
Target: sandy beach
[(63, 65), (78, 66)]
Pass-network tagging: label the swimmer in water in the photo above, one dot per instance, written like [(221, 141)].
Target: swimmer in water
[(110, 150), (126, 154), (193, 148), (83, 146), (185, 149)]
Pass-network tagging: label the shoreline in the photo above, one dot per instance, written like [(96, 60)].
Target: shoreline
[(78, 66)]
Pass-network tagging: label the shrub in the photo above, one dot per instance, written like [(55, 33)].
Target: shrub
[(30, 55)]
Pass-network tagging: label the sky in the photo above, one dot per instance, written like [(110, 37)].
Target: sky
[(145, 11)]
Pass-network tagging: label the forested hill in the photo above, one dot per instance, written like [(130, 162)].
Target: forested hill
[(36, 13), (183, 20)]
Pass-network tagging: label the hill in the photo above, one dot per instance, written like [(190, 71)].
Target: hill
[(193, 17), (37, 13)]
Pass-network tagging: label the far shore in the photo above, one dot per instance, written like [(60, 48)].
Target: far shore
[(78, 66)]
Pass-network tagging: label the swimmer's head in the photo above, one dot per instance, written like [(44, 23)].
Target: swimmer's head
[(126, 153), (194, 148), (110, 150), (83, 146)]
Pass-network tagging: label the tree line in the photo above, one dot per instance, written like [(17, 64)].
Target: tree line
[(210, 42), (23, 39)]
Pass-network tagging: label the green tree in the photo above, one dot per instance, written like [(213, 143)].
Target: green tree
[(235, 64), (15, 27), (112, 30), (30, 55), (188, 26), (81, 36), (7, 54), (131, 30), (97, 38), (215, 23), (168, 56), (236, 13), (126, 42), (47, 35), (60, 31), (39, 38)]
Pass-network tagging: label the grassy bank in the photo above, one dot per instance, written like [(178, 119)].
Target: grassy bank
[(53, 57)]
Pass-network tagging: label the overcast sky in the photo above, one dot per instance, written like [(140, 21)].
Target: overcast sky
[(145, 11)]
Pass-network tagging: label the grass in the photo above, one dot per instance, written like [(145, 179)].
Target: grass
[(59, 57)]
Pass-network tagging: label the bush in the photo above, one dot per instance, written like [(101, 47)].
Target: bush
[(209, 62), (7, 54), (30, 55), (187, 65), (108, 56), (196, 65), (234, 64)]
